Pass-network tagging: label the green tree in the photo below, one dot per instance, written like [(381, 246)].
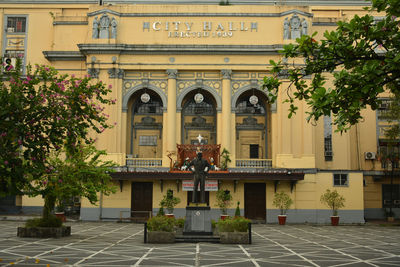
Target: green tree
[(362, 58), (42, 112), (78, 172)]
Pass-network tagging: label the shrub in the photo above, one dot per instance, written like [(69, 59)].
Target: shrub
[(241, 224), (213, 224), (237, 211), (225, 225), (180, 222), (236, 224), (51, 221), (161, 223), (161, 212)]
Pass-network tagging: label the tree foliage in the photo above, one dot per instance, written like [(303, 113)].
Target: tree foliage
[(78, 172), (362, 55), (333, 200), (42, 112)]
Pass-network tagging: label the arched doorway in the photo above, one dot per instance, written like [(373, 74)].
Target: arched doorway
[(252, 121), (198, 118), (145, 121)]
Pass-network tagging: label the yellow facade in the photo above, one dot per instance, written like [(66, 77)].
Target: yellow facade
[(173, 52)]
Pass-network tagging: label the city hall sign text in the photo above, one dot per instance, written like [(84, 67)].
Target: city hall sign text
[(206, 29)]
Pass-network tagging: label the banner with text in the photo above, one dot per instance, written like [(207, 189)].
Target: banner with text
[(211, 185)]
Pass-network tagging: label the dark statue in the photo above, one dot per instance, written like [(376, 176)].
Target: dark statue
[(200, 173)]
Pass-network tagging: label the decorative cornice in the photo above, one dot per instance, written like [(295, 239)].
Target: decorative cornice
[(201, 2), (64, 56), (226, 74), (172, 73), (180, 49), (324, 24), (186, 14), (70, 23)]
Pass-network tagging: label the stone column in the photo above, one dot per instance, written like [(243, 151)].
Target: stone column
[(226, 111), (170, 142)]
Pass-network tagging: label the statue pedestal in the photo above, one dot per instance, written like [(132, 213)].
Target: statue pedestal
[(198, 220)]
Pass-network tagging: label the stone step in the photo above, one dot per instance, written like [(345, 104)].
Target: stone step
[(196, 238)]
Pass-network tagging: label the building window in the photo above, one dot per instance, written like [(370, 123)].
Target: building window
[(16, 24), (340, 179), (254, 151), (148, 140), (328, 138), (383, 108), (387, 190)]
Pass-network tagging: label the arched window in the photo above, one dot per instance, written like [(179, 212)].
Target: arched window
[(146, 120), (251, 127), (199, 118)]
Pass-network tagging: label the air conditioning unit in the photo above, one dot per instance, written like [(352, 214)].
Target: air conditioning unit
[(10, 29), (9, 63), (397, 201), (370, 155)]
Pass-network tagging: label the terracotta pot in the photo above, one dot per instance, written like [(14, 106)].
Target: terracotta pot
[(223, 216), (170, 215), (61, 215), (282, 219), (335, 220)]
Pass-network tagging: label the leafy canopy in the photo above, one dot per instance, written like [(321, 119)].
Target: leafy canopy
[(362, 55), (42, 112)]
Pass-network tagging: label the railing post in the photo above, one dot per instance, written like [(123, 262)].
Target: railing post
[(145, 232), (250, 233)]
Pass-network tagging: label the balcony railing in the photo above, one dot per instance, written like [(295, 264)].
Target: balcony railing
[(254, 163), (143, 162)]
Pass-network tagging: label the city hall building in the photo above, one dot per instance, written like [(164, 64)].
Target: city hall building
[(189, 74)]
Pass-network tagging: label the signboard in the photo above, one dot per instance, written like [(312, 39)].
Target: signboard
[(211, 185)]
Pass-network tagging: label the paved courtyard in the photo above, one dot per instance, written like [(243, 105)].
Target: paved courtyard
[(121, 244)]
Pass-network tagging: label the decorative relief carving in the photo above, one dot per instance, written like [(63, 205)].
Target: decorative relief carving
[(94, 72), (226, 74), (162, 84), (183, 84), (172, 74), (128, 84), (116, 73), (215, 84), (237, 84), (294, 28)]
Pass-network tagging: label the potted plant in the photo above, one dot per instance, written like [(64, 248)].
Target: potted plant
[(335, 201), (60, 210), (224, 199), (225, 159), (161, 229), (389, 215), (169, 202), (283, 202)]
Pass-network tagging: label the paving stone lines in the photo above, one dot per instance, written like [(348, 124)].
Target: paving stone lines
[(121, 244)]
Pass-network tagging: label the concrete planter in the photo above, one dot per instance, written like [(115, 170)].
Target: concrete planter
[(44, 232), (234, 237), (160, 237)]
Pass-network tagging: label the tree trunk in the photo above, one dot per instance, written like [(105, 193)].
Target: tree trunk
[(49, 203)]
